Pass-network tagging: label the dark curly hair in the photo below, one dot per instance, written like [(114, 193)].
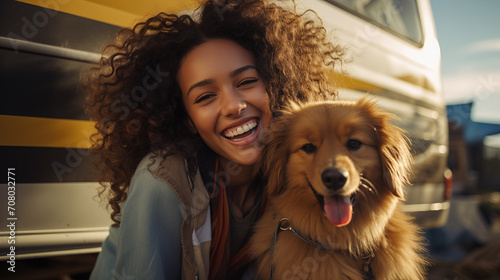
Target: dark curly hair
[(136, 101)]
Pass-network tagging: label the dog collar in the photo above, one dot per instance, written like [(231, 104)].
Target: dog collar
[(285, 225)]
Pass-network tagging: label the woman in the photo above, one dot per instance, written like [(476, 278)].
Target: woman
[(181, 105)]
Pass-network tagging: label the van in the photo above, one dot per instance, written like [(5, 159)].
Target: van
[(48, 192)]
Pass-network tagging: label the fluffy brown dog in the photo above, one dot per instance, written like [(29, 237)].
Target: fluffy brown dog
[(336, 173)]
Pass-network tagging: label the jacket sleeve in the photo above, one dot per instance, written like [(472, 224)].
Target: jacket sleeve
[(149, 242)]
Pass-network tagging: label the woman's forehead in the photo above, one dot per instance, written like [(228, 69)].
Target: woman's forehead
[(212, 59)]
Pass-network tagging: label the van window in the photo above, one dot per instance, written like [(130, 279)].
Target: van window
[(400, 17)]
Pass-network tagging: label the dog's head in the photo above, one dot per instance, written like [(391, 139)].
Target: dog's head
[(330, 152)]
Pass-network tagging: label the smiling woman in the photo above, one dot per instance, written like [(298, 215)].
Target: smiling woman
[(181, 161), (229, 108)]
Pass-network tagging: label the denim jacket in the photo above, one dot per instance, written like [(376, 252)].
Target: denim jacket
[(165, 229)]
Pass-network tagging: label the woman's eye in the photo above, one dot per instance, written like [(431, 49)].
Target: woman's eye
[(247, 82), (308, 148), (203, 97), (353, 144)]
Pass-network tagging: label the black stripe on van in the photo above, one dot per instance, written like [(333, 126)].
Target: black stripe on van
[(42, 25), (41, 86), (44, 165)]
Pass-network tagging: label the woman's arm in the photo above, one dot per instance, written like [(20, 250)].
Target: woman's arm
[(147, 245), (150, 240)]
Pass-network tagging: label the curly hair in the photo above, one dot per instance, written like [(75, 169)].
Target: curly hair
[(136, 101)]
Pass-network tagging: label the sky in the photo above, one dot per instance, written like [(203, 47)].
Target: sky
[(469, 36)]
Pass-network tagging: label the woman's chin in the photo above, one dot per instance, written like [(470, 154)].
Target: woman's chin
[(248, 157)]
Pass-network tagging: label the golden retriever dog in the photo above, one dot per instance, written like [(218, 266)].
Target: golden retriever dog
[(335, 173)]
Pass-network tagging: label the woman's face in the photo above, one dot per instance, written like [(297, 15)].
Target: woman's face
[(225, 99)]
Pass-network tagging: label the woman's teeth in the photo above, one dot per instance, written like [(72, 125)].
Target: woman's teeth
[(241, 129)]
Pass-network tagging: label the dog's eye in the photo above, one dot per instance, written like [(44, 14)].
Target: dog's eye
[(353, 144), (308, 148)]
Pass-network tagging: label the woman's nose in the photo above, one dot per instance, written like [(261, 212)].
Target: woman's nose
[(233, 104)]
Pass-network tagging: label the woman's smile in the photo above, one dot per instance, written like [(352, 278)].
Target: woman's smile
[(241, 132)]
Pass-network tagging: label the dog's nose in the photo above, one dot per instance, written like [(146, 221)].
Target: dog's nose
[(334, 178)]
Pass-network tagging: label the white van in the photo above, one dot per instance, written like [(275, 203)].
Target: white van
[(44, 45)]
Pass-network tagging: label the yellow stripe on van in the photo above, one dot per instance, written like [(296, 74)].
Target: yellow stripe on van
[(116, 12), (344, 81), (45, 132)]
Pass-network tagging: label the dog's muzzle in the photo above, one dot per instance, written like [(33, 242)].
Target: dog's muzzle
[(336, 207), (321, 198)]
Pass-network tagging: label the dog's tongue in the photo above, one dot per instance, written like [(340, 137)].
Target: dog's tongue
[(338, 210)]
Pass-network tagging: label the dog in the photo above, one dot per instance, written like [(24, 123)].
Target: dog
[(335, 173)]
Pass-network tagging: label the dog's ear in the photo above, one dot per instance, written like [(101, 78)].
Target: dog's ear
[(394, 149), (274, 155), (396, 158)]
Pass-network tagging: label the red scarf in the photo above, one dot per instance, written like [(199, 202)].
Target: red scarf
[(221, 266)]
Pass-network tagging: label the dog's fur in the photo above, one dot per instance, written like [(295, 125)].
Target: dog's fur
[(377, 173)]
